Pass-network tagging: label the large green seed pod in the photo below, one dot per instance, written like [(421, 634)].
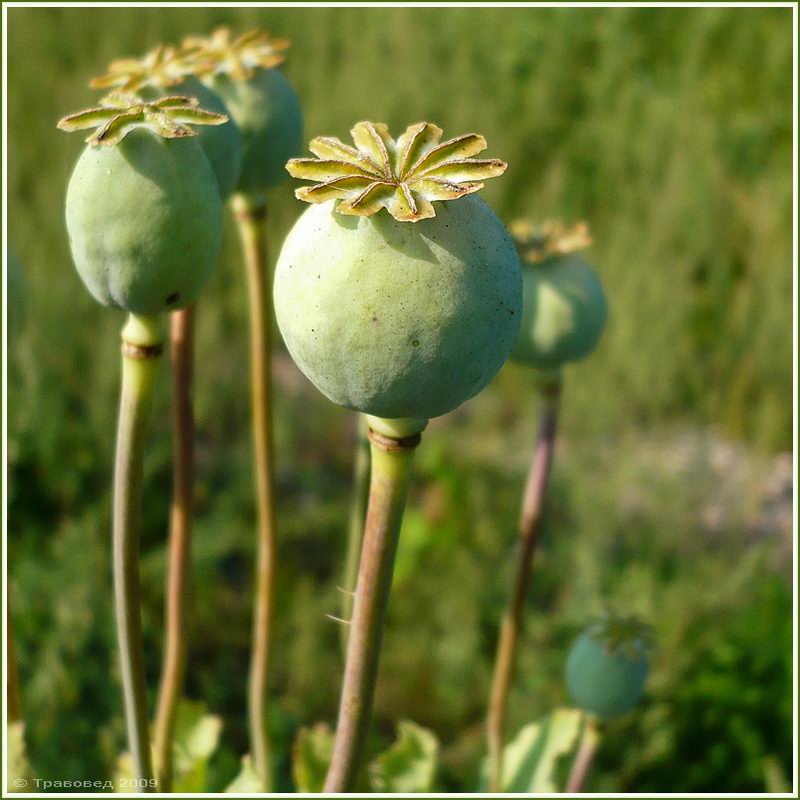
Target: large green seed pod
[(396, 319), (564, 311), (260, 99), (606, 671), (144, 214), (163, 72)]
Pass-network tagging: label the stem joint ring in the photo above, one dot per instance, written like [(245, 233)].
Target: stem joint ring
[(391, 445), (141, 352)]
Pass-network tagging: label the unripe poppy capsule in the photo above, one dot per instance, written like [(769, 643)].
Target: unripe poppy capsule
[(393, 319), (564, 306), (144, 214), (607, 666)]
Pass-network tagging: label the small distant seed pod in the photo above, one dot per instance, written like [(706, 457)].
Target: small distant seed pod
[(258, 96), (393, 319), (565, 308), (167, 71), (607, 666), (144, 213)]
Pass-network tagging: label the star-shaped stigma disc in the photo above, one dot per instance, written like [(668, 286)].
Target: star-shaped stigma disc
[(535, 242), (405, 176), (119, 114), (222, 53)]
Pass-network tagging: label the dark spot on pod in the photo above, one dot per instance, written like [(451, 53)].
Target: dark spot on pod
[(375, 320), (173, 298), (415, 343)]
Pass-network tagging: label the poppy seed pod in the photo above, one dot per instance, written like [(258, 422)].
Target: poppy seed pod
[(259, 98), (267, 110), (143, 209), (166, 71), (607, 667), (564, 306), (393, 319)]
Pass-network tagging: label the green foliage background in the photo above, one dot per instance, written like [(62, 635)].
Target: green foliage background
[(670, 131)]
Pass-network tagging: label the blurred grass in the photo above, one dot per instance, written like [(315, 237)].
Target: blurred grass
[(670, 131)]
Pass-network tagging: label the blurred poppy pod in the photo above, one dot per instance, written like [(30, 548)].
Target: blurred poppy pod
[(259, 98), (607, 666), (564, 306)]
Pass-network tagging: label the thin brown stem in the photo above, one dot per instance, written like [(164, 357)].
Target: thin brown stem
[(251, 218), (530, 518), (180, 544), (391, 462), (584, 758)]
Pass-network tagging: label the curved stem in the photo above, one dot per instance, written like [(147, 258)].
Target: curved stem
[(584, 758), (180, 542), (358, 511), (391, 462), (251, 218), (141, 349), (530, 518)]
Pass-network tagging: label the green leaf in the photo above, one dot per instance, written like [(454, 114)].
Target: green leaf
[(196, 739), (311, 757), (410, 764), (247, 781), (530, 762), (19, 768)]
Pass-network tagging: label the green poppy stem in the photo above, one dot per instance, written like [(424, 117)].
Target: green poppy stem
[(358, 512), (530, 518), (142, 343), (173, 666), (391, 466), (584, 758), (251, 216)]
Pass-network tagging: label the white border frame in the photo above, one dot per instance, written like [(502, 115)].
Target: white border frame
[(442, 5)]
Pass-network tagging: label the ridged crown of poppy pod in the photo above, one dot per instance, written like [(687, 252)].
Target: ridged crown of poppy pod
[(404, 177)]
